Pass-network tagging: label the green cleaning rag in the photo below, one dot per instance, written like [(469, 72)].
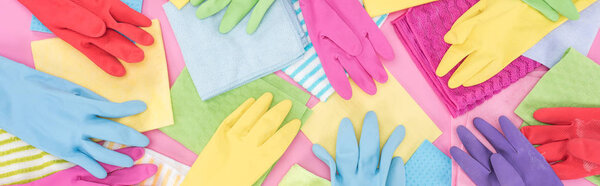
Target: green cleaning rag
[(572, 82), (298, 176)]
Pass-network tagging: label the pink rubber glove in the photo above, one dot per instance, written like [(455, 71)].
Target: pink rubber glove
[(116, 175), (347, 40)]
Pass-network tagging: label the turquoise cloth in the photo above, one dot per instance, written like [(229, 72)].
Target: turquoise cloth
[(428, 166), (221, 62)]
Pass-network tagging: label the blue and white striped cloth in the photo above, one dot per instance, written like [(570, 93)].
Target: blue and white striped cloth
[(308, 71)]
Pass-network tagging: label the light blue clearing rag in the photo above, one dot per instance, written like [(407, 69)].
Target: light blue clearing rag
[(578, 34), (36, 25), (221, 62), (307, 71), (428, 166)]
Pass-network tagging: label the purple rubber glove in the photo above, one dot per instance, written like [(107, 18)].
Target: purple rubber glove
[(347, 40), (116, 175), (516, 161)]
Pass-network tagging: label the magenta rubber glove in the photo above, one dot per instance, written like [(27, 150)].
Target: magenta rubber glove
[(347, 40), (116, 175)]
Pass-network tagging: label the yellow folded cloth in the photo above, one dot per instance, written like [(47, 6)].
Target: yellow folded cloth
[(393, 106), (147, 80), (179, 3), (380, 7)]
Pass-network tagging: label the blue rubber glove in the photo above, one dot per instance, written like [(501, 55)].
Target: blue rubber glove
[(359, 166), (60, 117)]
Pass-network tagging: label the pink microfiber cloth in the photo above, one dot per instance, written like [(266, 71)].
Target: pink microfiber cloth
[(422, 31)]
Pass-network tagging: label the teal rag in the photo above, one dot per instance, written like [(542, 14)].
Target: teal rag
[(428, 166)]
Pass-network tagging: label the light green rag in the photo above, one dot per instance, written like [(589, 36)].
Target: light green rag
[(196, 120), (572, 82), (298, 176)]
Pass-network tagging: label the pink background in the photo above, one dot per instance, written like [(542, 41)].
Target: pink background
[(15, 38)]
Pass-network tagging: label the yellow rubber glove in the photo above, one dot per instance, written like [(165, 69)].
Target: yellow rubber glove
[(380, 7), (246, 144), (490, 35)]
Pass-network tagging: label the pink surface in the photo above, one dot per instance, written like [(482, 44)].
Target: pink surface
[(595, 50)]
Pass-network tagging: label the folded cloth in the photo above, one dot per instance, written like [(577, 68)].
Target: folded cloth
[(196, 120), (422, 31), (578, 34), (36, 25), (169, 171), (394, 107), (147, 80), (307, 70), (572, 82), (22, 163), (221, 62), (179, 3), (428, 166), (298, 176), (380, 7)]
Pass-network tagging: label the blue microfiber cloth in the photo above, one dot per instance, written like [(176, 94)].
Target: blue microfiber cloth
[(578, 34), (428, 166), (221, 62), (36, 25)]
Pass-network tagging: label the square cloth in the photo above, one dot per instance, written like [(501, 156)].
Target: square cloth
[(428, 166), (298, 176), (307, 71), (393, 105), (221, 62), (572, 82), (147, 80), (422, 31), (36, 25)]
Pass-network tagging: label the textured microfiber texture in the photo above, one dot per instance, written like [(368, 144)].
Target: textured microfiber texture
[(147, 80), (197, 120), (572, 82), (578, 34), (422, 31), (36, 25), (298, 176), (393, 105), (221, 62), (428, 166)]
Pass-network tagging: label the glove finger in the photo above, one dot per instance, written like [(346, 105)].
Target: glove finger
[(476, 171), (237, 113), (554, 151), (454, 55), (472, 64), (486, 73), (336, 75), (257, 15), (211, 7), (103, 59), (279, 142), (372, 64), (236, 11), (110, 109), (324, 156), (477, 150), (109, 130), (369, 144), (565, 115), (196, 2), (585, 149), (389, 148), (541, 134), (119, 46), (268, 124), (463, 26), (127, 176), (104, 155), (87, 163), (85, 22), (543, 8), (505, 172), (498, 141), (513, 135), (124, 14), (134, 33), (334, 30), (134, 152), (396, 176), (251, 116), (574, 168), (358, 74), (346, 148), (379, 43), (566, 8)]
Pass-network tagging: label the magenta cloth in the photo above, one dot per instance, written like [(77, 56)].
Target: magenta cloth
[(422, 30)]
